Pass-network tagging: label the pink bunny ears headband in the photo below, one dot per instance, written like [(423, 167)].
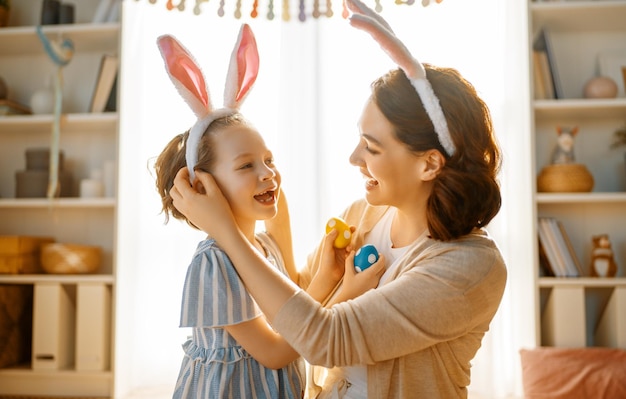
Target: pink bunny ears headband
[(368, 20), (188, 79)]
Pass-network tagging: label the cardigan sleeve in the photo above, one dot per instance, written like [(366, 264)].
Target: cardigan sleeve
[(442, 292)]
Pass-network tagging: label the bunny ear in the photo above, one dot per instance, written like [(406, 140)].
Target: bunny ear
[(366, 19), (243, 68), (358, 7), (186, 75), (396, 50), (369, 21)]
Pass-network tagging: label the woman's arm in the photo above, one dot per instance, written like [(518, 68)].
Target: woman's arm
[(265, 345)]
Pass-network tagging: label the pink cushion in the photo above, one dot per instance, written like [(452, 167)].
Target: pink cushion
[(581, 373)]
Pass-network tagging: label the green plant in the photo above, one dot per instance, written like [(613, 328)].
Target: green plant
[(5, 4), (619, 137)]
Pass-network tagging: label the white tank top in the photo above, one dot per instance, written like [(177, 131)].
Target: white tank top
[(380, 237)]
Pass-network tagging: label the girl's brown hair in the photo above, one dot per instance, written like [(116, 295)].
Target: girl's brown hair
[(466, 193), (172, 159)]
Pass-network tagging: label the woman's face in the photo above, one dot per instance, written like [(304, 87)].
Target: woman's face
[(245, 172), (391, 171)]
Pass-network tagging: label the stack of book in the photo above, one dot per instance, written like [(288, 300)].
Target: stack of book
[(546, 84), (557, 254)]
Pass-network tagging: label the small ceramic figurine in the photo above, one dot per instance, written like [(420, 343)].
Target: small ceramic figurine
[(564, 150), (602, 260)]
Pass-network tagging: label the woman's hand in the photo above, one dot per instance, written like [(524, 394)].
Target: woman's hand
[(203, 203), (356, 283)]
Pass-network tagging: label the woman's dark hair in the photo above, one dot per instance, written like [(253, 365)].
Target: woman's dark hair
[(466, 193), (172, 159)]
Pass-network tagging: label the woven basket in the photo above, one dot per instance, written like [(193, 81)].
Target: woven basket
[(58, 258), (565, 178)]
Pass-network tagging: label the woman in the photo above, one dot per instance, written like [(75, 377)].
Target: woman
[(430, 159)]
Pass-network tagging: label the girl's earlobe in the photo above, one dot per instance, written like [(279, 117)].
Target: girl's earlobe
[(197, 185)]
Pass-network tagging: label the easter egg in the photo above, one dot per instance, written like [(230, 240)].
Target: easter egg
[(345, 235), (365, 257)]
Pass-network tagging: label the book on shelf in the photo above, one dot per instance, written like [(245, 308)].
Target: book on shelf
[(105, 83), (544, 46), (548, 245), (557, 248), (545, 268), (578, 270), (542, 77), (9, 107), (111, 105)]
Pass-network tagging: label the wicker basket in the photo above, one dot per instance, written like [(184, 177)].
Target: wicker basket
[(60, 258), (565, 178)]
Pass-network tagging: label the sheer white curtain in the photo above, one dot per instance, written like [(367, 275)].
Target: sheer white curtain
[(313, 82)]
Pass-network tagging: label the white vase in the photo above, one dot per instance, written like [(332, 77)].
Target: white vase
[(42, 101)]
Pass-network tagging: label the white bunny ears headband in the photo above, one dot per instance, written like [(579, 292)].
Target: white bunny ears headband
[(368, 20), (188, 79)]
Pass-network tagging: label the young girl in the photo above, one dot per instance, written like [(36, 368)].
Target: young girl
[(428, 153), (233, 351)]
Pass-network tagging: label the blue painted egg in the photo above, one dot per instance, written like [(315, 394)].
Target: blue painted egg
[(365, 257)]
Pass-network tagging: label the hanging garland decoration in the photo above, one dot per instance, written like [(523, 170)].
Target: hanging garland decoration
[(316, 9), (286, 16)]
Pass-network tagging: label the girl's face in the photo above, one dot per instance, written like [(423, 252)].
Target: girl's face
[(245, 172), (392, 172)]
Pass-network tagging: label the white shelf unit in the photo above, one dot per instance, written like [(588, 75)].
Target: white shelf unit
[(88, 140), (582, 311)]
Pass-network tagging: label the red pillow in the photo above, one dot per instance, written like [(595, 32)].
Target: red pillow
[(568, 373)]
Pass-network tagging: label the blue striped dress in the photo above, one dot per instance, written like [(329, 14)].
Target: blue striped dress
[(214, 364)]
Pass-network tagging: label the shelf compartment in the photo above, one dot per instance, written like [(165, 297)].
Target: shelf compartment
[(93, 326), (580, 15), (23, 40), (72, 330), (54, 318), (583, 312), (562, 322), (611, 331)]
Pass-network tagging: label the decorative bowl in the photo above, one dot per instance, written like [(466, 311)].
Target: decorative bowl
[(565, 178), (59, 258)]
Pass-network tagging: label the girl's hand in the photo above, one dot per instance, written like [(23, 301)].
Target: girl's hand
[(356, 283), (203, 204), (330, 270), (333, 259)]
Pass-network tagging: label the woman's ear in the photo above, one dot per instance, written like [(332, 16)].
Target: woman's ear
[(434, 161)]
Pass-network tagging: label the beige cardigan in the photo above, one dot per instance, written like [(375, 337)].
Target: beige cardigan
[(417, 333)]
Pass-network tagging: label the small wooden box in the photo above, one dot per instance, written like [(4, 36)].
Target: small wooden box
[(20, 254)]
